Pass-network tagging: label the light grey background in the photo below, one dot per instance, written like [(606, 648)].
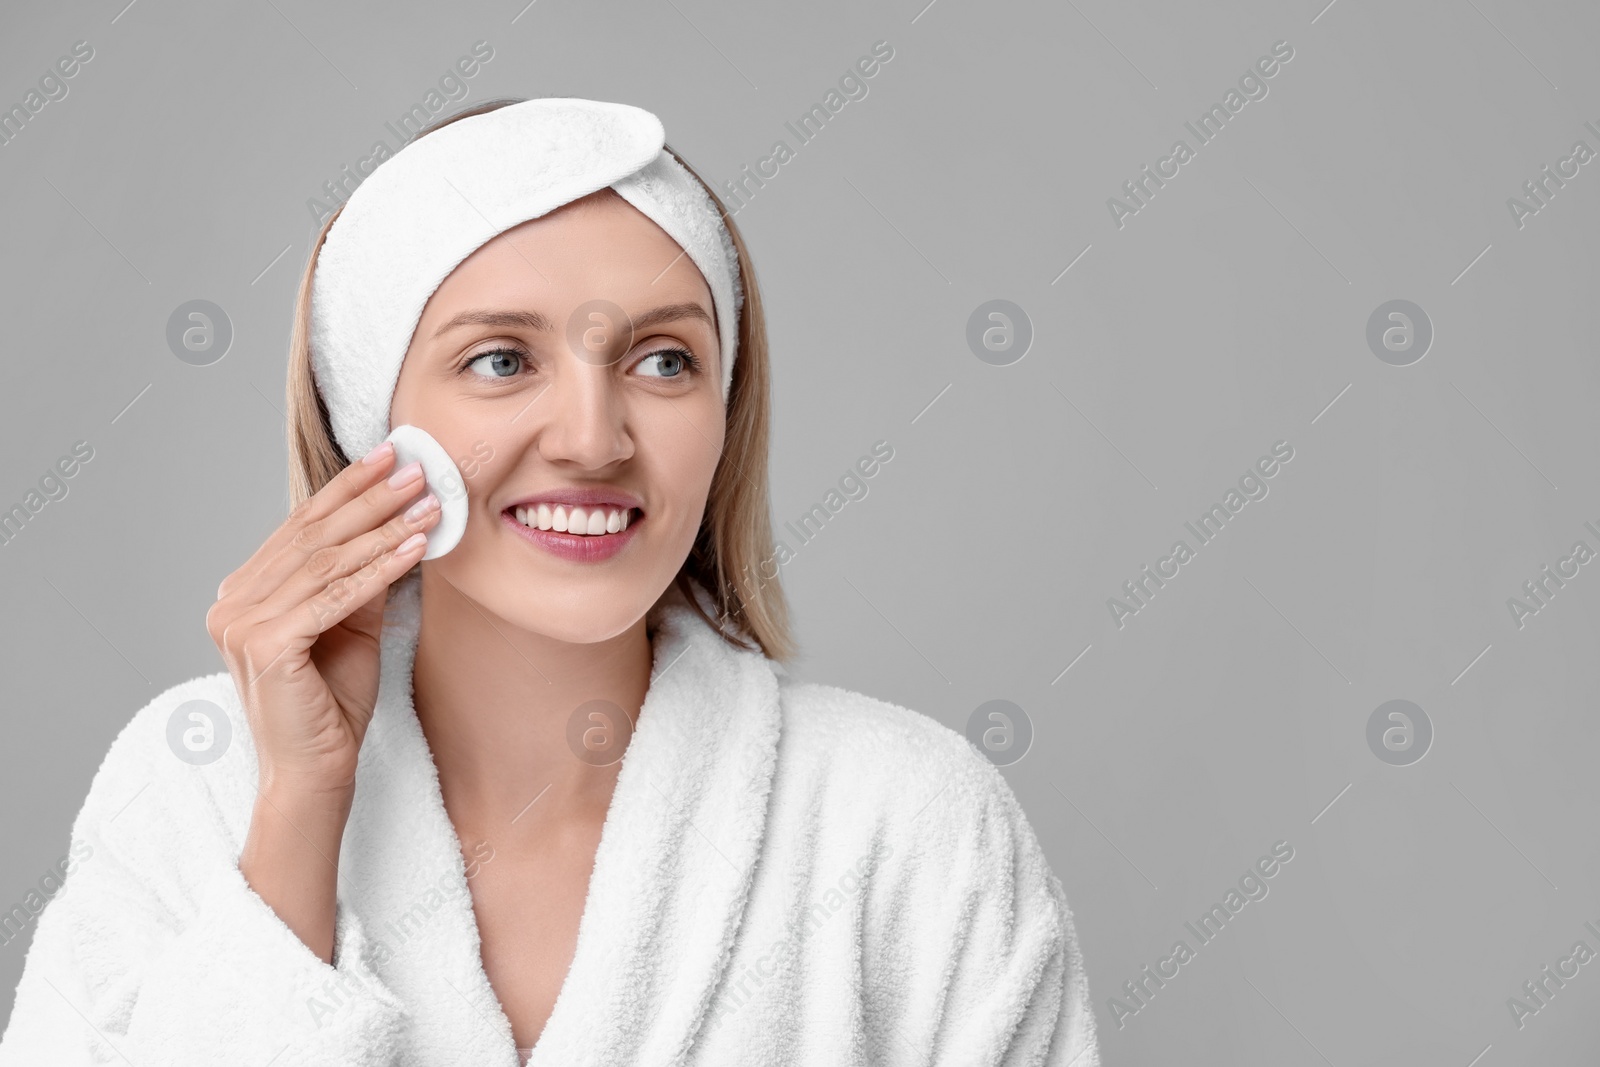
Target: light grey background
[(1228, 314)]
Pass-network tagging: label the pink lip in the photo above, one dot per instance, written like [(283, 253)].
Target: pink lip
[(578, 548), (582, 496)]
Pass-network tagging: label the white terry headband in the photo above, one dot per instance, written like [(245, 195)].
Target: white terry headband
[(445, 195)]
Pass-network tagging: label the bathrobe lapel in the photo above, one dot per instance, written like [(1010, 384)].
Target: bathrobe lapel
[(671, 875)]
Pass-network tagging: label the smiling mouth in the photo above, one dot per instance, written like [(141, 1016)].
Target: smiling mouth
[(597, 521)]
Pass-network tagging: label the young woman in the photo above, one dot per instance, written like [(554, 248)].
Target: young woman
[(547, 797)]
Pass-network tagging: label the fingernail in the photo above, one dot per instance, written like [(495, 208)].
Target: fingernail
[(421, 507), (410, 472), (415, 541), (377, 455)]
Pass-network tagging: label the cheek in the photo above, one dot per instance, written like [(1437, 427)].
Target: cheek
[(431, 388), (403, 406), (706, 457), (686, 436), (679, 451)]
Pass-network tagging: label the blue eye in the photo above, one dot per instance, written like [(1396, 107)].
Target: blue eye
[(505, 363), (674, 357), (501, 368)]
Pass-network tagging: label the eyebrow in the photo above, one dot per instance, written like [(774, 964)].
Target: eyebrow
[(533, 320)]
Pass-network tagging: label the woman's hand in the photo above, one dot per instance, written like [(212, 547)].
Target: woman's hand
[(299, 624)]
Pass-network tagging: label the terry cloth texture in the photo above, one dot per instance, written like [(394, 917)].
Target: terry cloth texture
[(788, 873)]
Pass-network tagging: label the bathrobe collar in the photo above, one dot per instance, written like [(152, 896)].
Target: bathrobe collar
[(671, 875)]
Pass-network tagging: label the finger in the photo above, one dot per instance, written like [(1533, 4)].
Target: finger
[(338, 573), (353, 480), (361, 587), (297, 629), (319, 538)]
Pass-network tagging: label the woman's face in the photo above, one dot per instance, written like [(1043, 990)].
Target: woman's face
[(522, 366)]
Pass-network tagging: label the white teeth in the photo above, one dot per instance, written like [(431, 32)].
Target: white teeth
[(589, 522)]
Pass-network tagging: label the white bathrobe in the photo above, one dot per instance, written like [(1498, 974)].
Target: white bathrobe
[(788, 874)]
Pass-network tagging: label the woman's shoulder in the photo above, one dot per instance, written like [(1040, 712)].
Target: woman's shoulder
[(853, 728), (194, 722), (185, 750), (861, 776), (918, 774)]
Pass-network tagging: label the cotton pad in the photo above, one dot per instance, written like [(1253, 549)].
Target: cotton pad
[(440, 477)]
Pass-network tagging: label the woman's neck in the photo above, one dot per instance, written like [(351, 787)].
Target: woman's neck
[(500, 708)]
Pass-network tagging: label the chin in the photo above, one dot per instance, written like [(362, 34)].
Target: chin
[(588, 625), (576, 604)]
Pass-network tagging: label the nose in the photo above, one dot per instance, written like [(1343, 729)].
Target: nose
[(580, 419)]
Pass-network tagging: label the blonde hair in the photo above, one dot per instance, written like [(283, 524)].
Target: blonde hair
[(735, 537)]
